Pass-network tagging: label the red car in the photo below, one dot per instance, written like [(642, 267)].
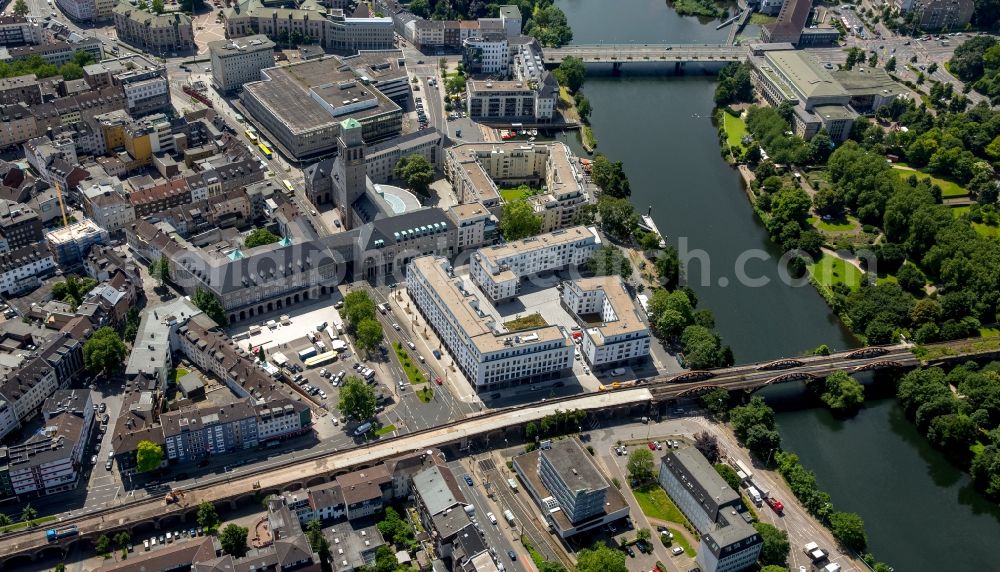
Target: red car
[(438, 380), (652, 446), (775, 504)]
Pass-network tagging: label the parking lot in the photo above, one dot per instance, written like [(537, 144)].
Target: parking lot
[(302, 334)]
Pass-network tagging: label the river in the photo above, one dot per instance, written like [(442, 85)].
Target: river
[(920, 511)]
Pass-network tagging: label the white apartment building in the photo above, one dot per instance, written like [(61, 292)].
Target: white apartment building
[(278, 420), (471, 220), (79, 10), (490, 357), (498, 270), (27, 388), (17, 31), (486, 54), (617, 333), (23, 268), (107, 204), (239, 61), (141, 96)]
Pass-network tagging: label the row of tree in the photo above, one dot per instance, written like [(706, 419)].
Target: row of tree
[(977, 63), (70, 70), (359, 310), (754, 425), (674, 318)]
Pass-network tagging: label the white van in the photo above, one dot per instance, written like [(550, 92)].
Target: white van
[(755, 495)]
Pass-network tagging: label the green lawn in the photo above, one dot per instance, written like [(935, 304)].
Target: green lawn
[(655, 503), (835, 225), (831, 270), (888, 278), (385, 430), (179, 373), (986, 230), (682, 542), (989, 332), (735, 128), (19, 525), (524, 322), (981, 228), (412, 372), (518, 193), (948, 188), (425, 394)]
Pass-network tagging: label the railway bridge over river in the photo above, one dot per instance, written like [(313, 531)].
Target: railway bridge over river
[(310, 469)]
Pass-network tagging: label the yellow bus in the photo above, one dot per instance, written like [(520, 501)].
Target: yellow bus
[(251, 136), (263, 149), (288, 185)]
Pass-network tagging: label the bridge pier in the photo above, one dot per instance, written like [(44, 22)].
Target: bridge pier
[(679, 68), (616, 68)]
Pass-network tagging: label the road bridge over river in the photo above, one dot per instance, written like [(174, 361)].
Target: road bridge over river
[(620, 54), (310, 469)]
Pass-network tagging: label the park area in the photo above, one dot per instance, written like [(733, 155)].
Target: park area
[(988, 228), (830, 270), (735, 129), (949, 189)]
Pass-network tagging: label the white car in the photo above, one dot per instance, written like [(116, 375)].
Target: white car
[(492, 517), (586, 369), (145, 544), (677, 551), (395, 326)]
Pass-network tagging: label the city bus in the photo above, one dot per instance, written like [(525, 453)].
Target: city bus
[(321, 359), (251, 136), (263, 149), (288, 185)]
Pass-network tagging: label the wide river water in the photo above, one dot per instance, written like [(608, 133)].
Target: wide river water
[(921, 513)]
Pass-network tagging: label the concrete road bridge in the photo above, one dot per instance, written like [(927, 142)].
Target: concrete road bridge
[(311, 469), (619, 55)]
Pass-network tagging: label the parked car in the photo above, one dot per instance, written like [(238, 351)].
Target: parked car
[(630, 552), (677, 551), (651, 445)]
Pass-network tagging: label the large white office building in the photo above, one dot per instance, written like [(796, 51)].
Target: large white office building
[(498, 270), (614, 332), (491, 357), (239, 61)]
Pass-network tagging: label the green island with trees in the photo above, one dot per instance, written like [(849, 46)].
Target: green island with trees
[(703, 8)]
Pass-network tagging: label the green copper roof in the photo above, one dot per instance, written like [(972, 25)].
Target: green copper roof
[(350, 123), (235, 255), (285, 241)]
